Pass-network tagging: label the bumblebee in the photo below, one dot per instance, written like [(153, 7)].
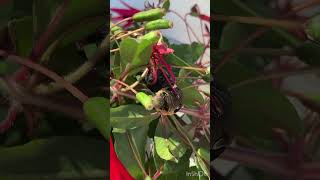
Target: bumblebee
[(168, 97), (167, 100)]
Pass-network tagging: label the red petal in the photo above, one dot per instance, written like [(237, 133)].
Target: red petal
[(117, 170), (128, 6), (123, 12), (204, 17), (168, 67), (161, 49)]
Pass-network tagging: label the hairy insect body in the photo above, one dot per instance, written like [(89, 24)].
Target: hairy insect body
[(167, 101), (168, 97)]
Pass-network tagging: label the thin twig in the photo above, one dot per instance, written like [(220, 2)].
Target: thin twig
[(138, 81), (67, 85), (78, 73), (260, 32), (123, 94), (187, 26), (119, 22), (129, 33), (136, 154), (275, 76), (259, 21), (124, 84), (41, 44), (114, 50)]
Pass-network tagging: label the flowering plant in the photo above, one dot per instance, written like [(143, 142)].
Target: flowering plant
[(159, 97), (266, 89)]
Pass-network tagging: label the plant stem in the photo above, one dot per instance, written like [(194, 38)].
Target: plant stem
[(202, 70), (157, 174), (187, 25), (260, 32), (260, 51), (114, 50), (182, 132), (303, 6), (129, 33), (259, 21), (67, 85), (136, 154), (237, 48), (19, 96), (137, 82), (275, 76), (41, 43), (122, 21), (275, 163), (78, 73), (122, 83), (194, 113), (123, 94)]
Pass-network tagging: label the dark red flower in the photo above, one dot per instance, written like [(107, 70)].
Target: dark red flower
[(117, 170), (157, 61), (195, 11), (124, 13)]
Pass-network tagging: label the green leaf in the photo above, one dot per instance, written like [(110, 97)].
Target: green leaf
[(190, 94), (177, 171), (128, 48), (97, 112), (90, 50), (55, 158), (203, 153), (175, 60), (131, 116), (313, 28), (189, 52), (75, 13), (135, 52), (258, 108), (162, 149), (81, 30), (166, 5), (69, 53), (203, 166), (233, 33), (43, 11), (124, 151), (21, 34), (169, 149)]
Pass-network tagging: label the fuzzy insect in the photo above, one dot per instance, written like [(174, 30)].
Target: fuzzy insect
[(168, 102)]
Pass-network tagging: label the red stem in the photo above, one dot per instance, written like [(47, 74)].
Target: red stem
[(23, 73), (67, 85), (158, 173)]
